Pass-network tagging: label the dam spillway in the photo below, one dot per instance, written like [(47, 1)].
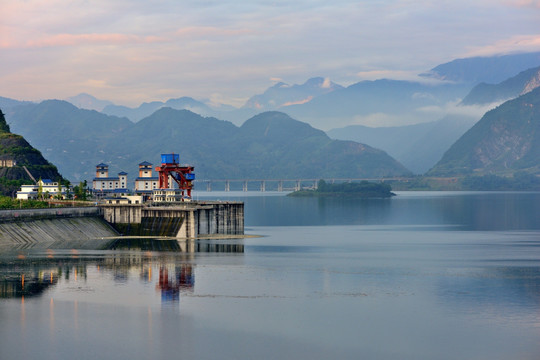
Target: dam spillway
[(181, 220)]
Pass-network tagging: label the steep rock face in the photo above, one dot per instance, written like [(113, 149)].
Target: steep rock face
[(505, 140), (16, 152)]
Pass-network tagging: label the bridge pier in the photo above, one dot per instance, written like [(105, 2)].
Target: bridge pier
[(263, 186), (245, 186), (227, 186)]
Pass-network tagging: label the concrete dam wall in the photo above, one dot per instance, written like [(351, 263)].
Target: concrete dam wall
[(87, 227), (188, 220), (78, 227)]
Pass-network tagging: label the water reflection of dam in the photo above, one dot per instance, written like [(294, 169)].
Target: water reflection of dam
[(31, 274), (186, 246)]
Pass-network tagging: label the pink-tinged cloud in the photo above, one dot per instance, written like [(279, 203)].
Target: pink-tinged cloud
[(299, 102), (521, 43), (61, 40), (525, 3)]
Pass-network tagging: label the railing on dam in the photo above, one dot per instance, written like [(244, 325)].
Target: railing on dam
[(277, 184)]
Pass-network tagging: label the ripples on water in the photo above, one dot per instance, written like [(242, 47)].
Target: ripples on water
[(419, 276)]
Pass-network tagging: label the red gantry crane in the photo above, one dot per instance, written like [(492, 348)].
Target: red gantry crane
[(182, 174)]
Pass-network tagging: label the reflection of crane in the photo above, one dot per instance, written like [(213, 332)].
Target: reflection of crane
[(182, 174), (170, 288)]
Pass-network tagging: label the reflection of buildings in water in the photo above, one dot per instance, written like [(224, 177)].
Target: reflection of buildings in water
[(21, 284), (21, 276), (170, 286)]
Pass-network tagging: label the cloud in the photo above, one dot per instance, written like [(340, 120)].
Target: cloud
[(388, 74), (524, 3), (518, 43), (298, 102), (146, 50), (326, 84), (85, 39), (210, 31)]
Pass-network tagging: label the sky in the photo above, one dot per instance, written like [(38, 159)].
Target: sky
[(134, 51)]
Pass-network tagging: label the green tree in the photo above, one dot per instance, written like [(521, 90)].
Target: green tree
[(4, 127), (59, 191), (40, 189)]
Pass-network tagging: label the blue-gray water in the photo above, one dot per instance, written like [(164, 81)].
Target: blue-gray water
[(418, 276)]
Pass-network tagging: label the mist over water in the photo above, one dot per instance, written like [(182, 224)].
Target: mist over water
[(418, 276)]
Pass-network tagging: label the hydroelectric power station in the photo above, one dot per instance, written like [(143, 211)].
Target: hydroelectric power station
[(170, 211), (164, 211)]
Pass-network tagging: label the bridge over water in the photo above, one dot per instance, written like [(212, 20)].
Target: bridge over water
[(278, 184)]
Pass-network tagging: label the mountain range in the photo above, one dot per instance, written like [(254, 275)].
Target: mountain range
[(487, 69), (418, 147), (281, 142), (269, 145)]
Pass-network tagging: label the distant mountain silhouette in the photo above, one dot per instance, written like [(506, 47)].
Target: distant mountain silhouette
[(88, 102), (282, 94), (147, 109), (70, 137), (488, 69), (402, 102), (418, 147)]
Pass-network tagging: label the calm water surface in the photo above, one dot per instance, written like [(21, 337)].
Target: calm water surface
[(419, 276)]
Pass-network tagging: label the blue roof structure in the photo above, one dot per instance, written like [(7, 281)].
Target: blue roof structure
[(145, 163), (122, 173), (102, 165)]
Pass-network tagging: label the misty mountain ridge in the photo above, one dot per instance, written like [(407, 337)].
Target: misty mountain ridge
[(418, 147), (88, 102), (488, 69), (513, 87), (147, 109), (327, 105), (282, 94)]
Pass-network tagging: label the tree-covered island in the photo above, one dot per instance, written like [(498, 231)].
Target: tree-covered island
[(363, 189)]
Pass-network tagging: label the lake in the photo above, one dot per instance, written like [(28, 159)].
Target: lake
[(424, 275)]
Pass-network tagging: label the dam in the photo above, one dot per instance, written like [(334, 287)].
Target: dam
[(187, 220), (87, 225)]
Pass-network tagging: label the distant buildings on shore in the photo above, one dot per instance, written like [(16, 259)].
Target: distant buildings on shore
[(43, 188), (111, 189), (145, 183)]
